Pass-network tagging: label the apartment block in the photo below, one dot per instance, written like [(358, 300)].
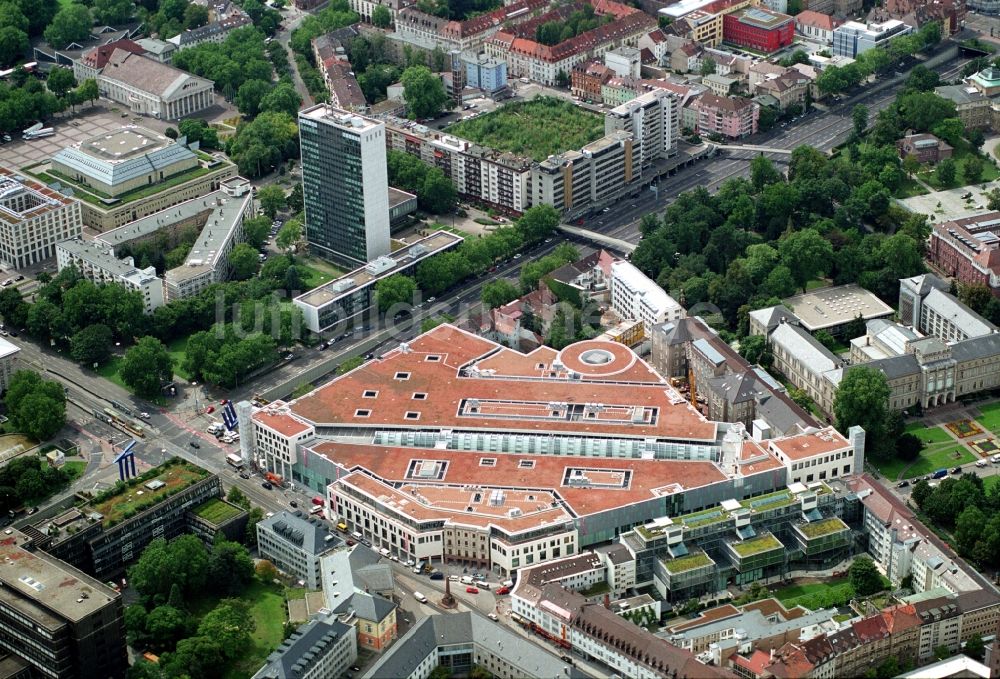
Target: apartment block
[(635, 297), (652, 120), (323, 647), (296, 543), (33, 218), (97, 262), (732, 117), (60, 621), (852, 38), (968, 249), (574, 182)]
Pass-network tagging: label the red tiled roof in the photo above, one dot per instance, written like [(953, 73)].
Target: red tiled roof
[(647, 479), (733, 104), (870, 629), (818, 20), (802, 447), (99, 56), (453, 367)]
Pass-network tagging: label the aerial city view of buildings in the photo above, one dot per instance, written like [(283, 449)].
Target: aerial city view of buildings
[(475, 338)]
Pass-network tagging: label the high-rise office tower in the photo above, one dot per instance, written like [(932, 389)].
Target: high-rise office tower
[(344, 185)]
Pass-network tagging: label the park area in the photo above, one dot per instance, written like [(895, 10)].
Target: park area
[(940, 451), (951, 444), (538, 128)]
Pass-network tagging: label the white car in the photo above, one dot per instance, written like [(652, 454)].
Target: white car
[(493, 617), (981, 463)]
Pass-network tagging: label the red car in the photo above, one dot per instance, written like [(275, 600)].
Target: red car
[(210, 409), (472, 590), (318, 501), (503, 590), (223, 401)]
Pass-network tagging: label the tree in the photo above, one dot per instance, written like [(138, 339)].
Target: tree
[(945, 172), (974, 647), (972, 170), (394, 290), (862, 399), (182, 561), (438, 194), (230, 567), (236, 497), (538, 222), (381, 17), (256, 516), (87, 91), (763, 173), (497, 293), (282, 99), (72, 23), (135, 623), (911, 165), (165, 626), (197, 656), (230, 623), (922, 79), (244, 261), (859, 118), (968, 529), (806, 254), (146, 366), (197, 130), (60, 81), (272, 199), (423, 92), (13, 45), (195, 16), (289, 235), (113, 12), (92, 345), (255, 230), (708, 66), (864, 577), (951, 130), (35, 406), (754, 348), (250, 95)]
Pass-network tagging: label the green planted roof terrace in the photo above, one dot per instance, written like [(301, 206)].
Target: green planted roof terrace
[(757, 545), (818, 529), (687, 563)]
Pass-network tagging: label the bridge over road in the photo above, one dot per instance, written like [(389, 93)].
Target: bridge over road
[(609, 242)]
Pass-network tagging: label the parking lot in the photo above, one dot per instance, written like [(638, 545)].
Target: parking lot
[(70, 129)]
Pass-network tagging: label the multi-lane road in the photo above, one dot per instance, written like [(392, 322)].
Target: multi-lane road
[(822, 131)]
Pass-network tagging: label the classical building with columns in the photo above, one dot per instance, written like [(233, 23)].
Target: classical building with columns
[(150, 88)]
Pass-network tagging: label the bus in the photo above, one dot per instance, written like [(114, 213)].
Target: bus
[(234, 460)]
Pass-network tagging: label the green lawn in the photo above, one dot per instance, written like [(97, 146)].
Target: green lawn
[(990, 172), (928, 463), (269, 611), (816, 595), (178, 352), (990, 417), (989, 482), (315, 272), (928, 434), (216, 511), (75, 468), (537, 128), (109, 371), (817, 283), (126, 504), (909, 188), (94, 196)]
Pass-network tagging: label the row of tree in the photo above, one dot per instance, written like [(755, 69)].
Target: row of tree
[(475, 257), (963, 506)]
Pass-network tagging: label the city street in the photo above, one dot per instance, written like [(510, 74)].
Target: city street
[(819, 130)]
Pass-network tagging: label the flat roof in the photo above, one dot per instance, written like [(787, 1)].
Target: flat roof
[(43, 198), (48, 582), (391, 475), (398, 197), (204, 255), (829, 307), (338, 117), (100, 255), (380, 268), (466, 384), (124, 143)]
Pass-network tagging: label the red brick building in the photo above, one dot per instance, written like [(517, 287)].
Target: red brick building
[(587, 78), (758, 29), (969, 250)]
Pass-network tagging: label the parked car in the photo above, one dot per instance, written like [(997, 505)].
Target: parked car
[(472, 590), (503, 590), (493, 617), (956, 470), (902, 484), (981, 463)]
